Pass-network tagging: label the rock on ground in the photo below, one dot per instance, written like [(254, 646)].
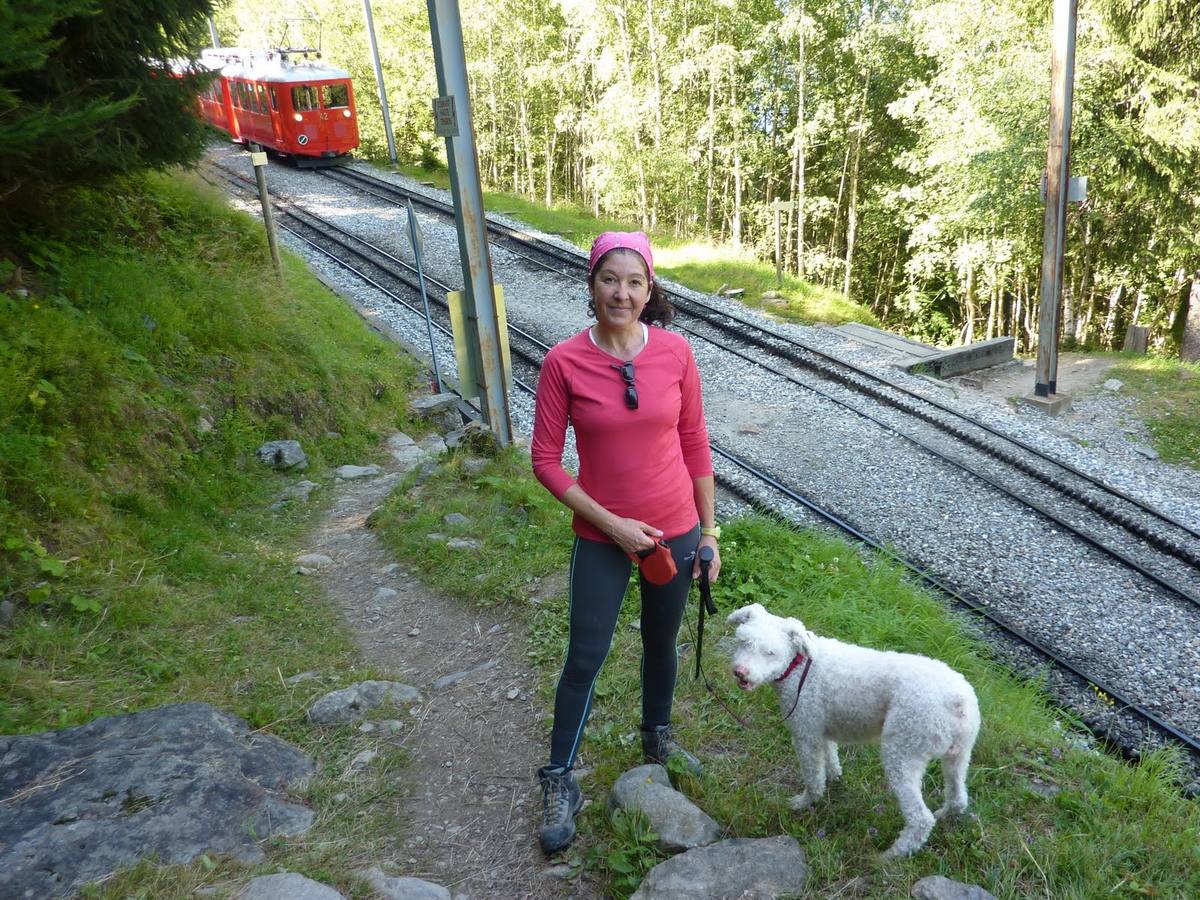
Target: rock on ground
[(402, 887), (747, 868), (288, 886), (355, 701), (679, 823), (176, 782), (938, 887)]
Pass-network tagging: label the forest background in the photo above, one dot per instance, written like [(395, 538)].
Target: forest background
[(909, 135)]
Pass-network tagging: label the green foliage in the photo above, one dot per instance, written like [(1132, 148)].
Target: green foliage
[(912, 134), (629, 854), (151, 355), (1073, 844), (87, 92), (507, 513), (1168, 395)]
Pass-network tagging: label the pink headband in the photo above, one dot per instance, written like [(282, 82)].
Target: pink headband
[(622, 240)]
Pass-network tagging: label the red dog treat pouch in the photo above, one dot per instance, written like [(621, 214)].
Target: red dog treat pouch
[(656, 563)]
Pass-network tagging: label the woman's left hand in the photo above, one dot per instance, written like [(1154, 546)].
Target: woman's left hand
[(715, 567)]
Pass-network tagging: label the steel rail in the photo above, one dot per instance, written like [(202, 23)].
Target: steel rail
[(718, 319), (796, 497)]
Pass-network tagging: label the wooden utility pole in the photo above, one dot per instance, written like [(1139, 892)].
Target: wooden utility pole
[(1058, 175), (259, 160)]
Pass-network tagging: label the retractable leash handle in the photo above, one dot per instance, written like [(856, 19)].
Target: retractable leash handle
[(706, 559), (706, 602)]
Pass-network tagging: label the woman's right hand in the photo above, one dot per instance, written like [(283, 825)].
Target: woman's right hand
[(632, 535)]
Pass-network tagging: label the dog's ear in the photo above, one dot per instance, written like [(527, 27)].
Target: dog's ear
[(745, 614), (798, 636)]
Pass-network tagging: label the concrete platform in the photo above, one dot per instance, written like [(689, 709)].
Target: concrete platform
[(913, 356), (1054, 405)]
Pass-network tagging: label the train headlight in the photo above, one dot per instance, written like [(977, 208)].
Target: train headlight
[(346, 113), (298, 117)]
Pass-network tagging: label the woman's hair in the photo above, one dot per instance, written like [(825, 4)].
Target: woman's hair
[(658, 309)]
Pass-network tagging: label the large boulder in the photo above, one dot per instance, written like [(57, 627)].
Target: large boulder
[(173, 782)]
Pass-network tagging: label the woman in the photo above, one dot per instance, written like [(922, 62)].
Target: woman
[(632, 394)]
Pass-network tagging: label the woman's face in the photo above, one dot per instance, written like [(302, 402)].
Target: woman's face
[(620, 288)]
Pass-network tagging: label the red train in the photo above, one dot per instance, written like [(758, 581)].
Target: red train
[(303, 110)]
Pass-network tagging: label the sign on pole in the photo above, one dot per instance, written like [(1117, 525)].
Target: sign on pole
[(418, 244)]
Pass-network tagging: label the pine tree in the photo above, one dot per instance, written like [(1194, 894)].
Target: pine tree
[(87, 92)]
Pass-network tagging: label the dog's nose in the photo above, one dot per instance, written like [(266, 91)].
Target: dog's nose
[(740, 671)]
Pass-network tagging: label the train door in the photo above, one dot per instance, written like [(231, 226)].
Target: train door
[(307, 116), (337, 110), (276, 114)]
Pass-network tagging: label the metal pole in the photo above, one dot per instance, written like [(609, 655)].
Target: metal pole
[(260, 176), (480, 304), (383, 103), (1058, 177), (417, 243), (212, 33)]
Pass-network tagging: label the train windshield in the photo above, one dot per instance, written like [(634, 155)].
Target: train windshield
[(304, 97), (334, 96)]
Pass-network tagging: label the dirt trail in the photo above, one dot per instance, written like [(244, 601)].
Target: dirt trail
[(471, 802)]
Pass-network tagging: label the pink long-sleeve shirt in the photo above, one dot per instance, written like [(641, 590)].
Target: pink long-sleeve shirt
[(637, 463)]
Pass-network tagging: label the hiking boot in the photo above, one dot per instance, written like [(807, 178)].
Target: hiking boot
[(561, 800), (659, 746)]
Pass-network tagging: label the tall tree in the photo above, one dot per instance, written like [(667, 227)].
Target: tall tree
[(87, 91)]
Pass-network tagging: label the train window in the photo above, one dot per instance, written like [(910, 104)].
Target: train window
[(262, 99), (274, 100), (304, 97), (334, 96), (237, 94)]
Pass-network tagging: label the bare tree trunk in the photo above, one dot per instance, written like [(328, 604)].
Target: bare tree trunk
[(656, 68), (495, 123), (1189, 346), (1116, 300), (736, 225), (639, 163), (800, 149), (712, 136), (837, 211), (993, 308), (852, 207)]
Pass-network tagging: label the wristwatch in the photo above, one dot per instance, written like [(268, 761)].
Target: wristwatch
[(714, 532)]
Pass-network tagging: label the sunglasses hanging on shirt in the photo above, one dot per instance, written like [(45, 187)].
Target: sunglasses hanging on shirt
[(631, 395)]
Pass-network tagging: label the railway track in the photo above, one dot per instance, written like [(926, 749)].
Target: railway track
[(1160, 549), (1149, 541)]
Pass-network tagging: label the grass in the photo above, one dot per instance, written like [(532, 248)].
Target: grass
[(148, 353), (1106, 829), (1168, 394), (144, 356), (699, 265)]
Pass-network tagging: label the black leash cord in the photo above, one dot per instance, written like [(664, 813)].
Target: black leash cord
[(706, 605), (706, 601)]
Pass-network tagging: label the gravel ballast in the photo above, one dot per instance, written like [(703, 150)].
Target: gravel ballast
[(1142, 641)]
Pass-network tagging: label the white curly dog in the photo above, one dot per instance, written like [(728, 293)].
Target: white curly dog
[(917, 708)]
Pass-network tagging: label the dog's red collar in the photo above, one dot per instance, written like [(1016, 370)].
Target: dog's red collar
[(796, 661)]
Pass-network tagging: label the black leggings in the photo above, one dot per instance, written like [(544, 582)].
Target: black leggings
[(599, 576)]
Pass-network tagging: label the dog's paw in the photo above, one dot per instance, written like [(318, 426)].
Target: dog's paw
[(800, 802), (948, 812)]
